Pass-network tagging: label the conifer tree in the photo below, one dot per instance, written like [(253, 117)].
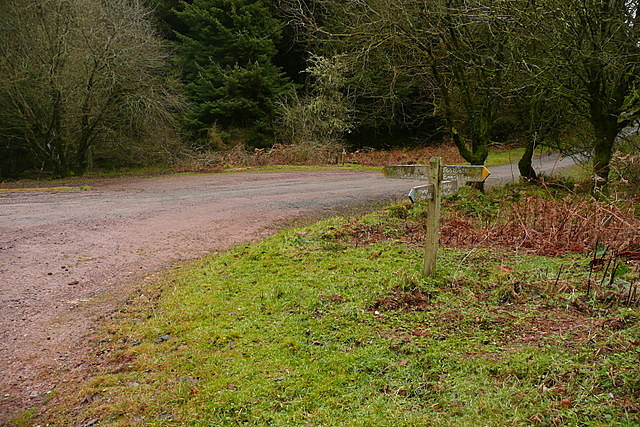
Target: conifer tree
[(226, 57)]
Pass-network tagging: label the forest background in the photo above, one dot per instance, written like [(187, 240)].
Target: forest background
[(88, 84)]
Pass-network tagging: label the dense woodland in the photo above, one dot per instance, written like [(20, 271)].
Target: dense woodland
[(111, 83)]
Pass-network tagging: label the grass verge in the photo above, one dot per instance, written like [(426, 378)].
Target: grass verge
[(285, 168), (44, 189), (322, 326), (505, 156)]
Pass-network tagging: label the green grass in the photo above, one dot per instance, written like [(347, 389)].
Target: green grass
[(578, 173), (51, 189), (504, 157), (138, 170), (501, 156), (82, 182), (281, 168), (307, 329)]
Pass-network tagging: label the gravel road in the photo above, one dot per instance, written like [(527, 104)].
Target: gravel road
[(68, 259)]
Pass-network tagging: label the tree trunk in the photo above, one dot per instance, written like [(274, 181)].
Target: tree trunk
[(82, 155), (606, 131), (476, 156), (56, 141), (525, 164)]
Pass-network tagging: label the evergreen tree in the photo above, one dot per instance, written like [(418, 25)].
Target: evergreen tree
[(226, 57)]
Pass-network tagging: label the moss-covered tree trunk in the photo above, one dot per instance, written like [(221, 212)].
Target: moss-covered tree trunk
[(525, 164), (605, 131)]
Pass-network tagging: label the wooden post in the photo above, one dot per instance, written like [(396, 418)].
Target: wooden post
[(444, 180), (433, 219)]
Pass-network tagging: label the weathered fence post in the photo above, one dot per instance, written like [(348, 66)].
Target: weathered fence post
[(433, 218)]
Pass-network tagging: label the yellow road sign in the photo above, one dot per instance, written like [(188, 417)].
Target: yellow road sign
[(466, 173)]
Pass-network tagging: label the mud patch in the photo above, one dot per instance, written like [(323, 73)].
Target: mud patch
[(417, 300)]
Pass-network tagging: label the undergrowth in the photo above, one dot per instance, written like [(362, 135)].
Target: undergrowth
[(536, 220), (314, 154), (332, 324)]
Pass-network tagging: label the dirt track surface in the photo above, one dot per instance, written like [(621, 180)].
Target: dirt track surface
[(68, 259)]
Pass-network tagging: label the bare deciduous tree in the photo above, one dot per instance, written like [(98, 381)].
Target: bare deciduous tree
[(77, 75), (586, 52), (445, 56)]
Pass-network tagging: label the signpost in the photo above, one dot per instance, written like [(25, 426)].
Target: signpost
[(465, 173), (444, 181), (423, 193)]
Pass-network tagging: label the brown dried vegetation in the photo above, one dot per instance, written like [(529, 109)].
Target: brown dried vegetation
[(311, 154), (549, 226), (370, 157), (532, 221)]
